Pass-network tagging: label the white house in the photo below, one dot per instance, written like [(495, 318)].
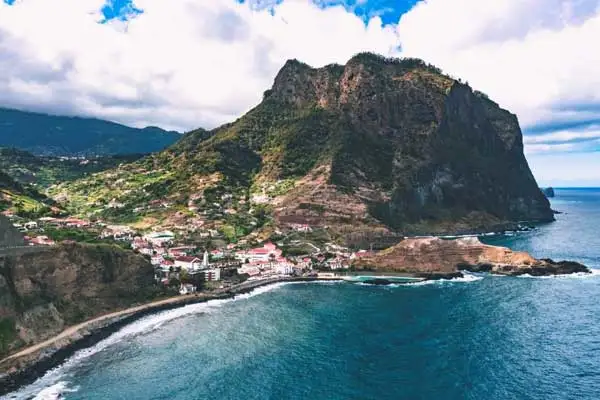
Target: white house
[(187, 289), (188, 263), (31, 225)]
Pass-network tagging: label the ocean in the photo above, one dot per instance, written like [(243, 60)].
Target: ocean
[(480, 337)]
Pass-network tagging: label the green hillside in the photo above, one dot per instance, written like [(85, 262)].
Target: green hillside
[(43, 134)]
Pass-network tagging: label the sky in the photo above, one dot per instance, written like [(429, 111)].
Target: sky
[(183, 64)]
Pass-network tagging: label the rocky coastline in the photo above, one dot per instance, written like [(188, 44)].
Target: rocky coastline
[(430, 258), (437, 258), (26, 366)]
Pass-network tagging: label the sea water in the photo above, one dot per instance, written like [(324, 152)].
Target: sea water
[(479, 337)]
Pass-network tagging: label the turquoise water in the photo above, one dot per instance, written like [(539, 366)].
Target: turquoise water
[(481, 337)]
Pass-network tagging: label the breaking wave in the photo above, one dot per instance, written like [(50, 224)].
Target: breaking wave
[(466, 278), (580, 275), (55, 382)]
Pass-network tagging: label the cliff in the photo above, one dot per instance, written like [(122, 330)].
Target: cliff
[(435, 257), (376, 145), (44, 290)]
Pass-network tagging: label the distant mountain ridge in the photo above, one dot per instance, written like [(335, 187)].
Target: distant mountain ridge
[(50, 135)]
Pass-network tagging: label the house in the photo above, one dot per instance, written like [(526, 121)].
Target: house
[(31, 225), (361, 254), (115, 204), (156, 260), (187, 288), (247, 269), (260, 199), (301, 227), (166, 265), (336, 263), (188, 263), (76, 223), (181, 251), (42, 241), (217, 254), (149, 251), (267, 252)]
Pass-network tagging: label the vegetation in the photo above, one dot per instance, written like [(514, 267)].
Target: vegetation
[(23, 200), (44, 171), (8, 334), (64, 136)]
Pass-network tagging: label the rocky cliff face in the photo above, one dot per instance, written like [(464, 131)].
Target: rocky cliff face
[(45, 290), (419, 151), (434, 257), (9, 236)]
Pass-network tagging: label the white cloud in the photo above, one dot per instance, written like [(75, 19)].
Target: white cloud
[(589, 134), (180, 64), (188, 63), (529, 55)]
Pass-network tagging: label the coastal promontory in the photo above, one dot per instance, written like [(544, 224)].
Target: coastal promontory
[(434, 257)]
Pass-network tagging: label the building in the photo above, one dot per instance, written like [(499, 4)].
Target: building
[(181, 251), (159, 239), (156, 260), (42, 241), (31, 225), (188, 263), (216, 254), (248, 269), (269, 251), (212, 274), (301, 227), (187, 288)]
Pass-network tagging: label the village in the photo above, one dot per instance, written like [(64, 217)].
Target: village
[(189, 268)]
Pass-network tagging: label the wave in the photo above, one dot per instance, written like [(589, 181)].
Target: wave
[(466, 278), (55, 382), (55, 392), (579, 275)]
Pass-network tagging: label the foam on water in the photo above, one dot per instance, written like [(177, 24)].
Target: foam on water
[(53, 384), (580, 275), (55, 392), (466, 278)]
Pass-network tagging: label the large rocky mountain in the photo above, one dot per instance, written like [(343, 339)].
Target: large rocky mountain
[(71, 136), (374, 145)]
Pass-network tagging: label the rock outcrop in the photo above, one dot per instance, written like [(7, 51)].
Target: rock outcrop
[(44, 290), (548, 192), (434, 257)]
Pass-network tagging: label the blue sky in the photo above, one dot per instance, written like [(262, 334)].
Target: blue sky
[(188, 63)]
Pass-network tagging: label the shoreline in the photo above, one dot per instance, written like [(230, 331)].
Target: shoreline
[(29, 364)]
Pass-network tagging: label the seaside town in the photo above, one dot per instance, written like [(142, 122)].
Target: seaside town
[(193, 267)]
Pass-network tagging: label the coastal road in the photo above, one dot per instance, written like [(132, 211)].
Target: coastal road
[(75, 332)]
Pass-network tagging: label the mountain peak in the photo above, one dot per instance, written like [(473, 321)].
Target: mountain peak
[(378, 144)]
